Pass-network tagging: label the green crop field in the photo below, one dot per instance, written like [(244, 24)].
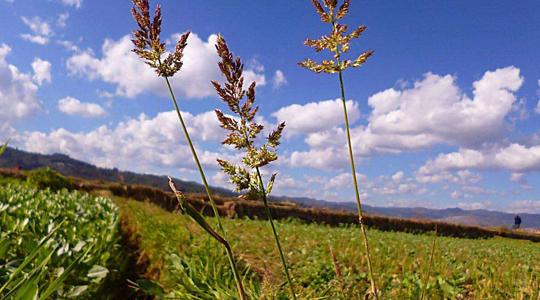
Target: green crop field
[(66, 244), (53, 244), (190, 265)]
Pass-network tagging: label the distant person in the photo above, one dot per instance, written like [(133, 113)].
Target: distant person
[(517, 222)]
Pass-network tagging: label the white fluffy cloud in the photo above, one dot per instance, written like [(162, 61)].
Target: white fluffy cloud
[(41, 30), (398, 176), (121, 67), (436, 106), (72, 106), (514, 157), (36, 39), (463, 159), (315, 116), (69, 46), (75, 3), (279, 79), (525, 206), (462, 177), (343, 180), (17, 91), (42, 71), (433, 111), (396, 184), (324, 159), (151, 142), (62, 19)]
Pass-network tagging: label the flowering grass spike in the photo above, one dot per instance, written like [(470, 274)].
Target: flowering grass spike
[(148, 47), (148, 44), (338, 43), (243, 133)]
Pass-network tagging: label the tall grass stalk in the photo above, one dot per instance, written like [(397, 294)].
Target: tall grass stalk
[(150, 48), (337, 270), (224, 241), (337, 42), (355, 183), (276, 236), (243, 131), (428, 273)]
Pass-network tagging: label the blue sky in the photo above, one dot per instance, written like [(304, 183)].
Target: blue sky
[(445, 113)]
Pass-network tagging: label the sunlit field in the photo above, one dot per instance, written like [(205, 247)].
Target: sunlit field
[(190, 265)]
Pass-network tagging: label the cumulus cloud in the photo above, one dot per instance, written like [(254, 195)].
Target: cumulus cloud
[(62, 19), (315, 116), (396, 184), (279, 79), (287, 185), (251, 75), (456, 195), (513, 157), (520, 179), (74, 107), (41, 30), (119, 66), (328, 158), (365, 143), (436, 106), (42, 71), (525, 206), (398, 176), (433, 111), (69, 45), (343, 180), (74, 3), (36, 39), (151, 142), (18, 97)]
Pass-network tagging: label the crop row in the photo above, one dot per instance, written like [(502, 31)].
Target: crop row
[(54, 244)]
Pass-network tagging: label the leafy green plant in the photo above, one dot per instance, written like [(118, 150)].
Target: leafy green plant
[(148, 46), (53, 244), (243, 133), (48, 178), (338, 43)]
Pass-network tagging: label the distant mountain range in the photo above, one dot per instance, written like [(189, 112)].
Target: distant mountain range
[(71, 167)]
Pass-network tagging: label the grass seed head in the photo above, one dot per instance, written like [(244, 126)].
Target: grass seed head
[(147, 41), (242, 129), (337, 42)]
